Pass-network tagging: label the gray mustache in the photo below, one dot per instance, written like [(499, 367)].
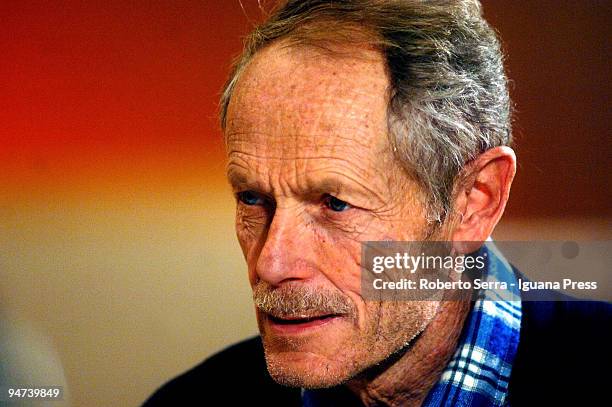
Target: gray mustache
[(293, 300)]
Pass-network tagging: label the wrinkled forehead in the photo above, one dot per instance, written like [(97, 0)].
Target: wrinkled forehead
[(306, 98)]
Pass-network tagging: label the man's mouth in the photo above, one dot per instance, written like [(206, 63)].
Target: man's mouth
[(299, 323)]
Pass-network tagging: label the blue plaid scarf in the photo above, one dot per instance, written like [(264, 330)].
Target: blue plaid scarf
[(478, 374)]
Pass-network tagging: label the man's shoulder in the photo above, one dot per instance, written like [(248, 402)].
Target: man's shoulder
[(563, 350), (232, 375)]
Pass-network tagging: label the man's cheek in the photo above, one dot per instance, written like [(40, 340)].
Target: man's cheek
[(248, 233), (342, 254), (250, 223)]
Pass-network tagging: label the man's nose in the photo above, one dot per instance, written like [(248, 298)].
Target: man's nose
[(287, 250)]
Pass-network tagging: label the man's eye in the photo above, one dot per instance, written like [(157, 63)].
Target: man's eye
[(249, 198), (335, 204)]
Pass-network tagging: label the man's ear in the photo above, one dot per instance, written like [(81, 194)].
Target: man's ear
[(481, 195)]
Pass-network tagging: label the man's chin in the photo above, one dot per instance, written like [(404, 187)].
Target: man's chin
[(318, 357), (307, 370)]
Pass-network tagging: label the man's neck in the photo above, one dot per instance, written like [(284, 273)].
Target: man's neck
[(407, 379)]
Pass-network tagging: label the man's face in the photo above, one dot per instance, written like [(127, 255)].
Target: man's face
[(314, 176)]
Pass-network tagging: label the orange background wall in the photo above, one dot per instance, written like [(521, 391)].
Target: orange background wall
[(116, 239)]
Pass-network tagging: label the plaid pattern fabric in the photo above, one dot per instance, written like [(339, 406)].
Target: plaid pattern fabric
[(478, 374), (479, 371)]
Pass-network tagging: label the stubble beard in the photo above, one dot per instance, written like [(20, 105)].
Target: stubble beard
[(322, 361)]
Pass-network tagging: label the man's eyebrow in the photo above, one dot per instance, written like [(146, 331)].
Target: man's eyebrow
[(237, 179), (240, 180), (346, 185), (328, 185), (342, 186)]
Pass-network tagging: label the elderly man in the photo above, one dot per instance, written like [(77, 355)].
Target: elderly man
[(371, 120)]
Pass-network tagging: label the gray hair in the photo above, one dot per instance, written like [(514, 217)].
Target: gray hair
[(448, 94)]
